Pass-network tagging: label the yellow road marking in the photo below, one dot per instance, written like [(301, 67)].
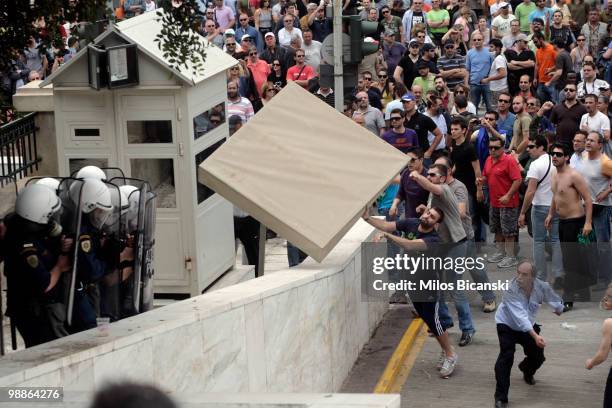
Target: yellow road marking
[(401, 362)]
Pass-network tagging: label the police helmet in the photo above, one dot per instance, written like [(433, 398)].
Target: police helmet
[(93, 172), (50, 182), (37, 203)]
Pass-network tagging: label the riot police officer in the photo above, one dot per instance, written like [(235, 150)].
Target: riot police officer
[(94, 201), (36, 255)]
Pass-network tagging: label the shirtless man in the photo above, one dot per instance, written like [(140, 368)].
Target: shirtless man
[(604, 347), (568, 188)]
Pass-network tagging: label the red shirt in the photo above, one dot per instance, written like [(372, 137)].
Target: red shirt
[(293, 73), (500, 176)]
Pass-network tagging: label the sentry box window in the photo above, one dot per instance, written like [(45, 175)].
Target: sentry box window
[(112, 67)]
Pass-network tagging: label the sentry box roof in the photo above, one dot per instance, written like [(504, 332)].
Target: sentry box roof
[(302, 169)]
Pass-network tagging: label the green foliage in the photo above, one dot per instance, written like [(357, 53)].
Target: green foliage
[(178, 39)]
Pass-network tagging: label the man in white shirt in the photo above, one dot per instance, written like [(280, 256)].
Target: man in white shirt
[(500, 26), (539, 196), (312, 49), (578, 144), (590, 83), (498, 73), (594, 120), (288, 31)]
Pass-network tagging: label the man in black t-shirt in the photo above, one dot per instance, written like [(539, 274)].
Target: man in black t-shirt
[(519, 63), (419, 234), (405, 70), (421, 124)]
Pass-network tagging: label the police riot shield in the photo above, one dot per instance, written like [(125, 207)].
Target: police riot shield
[(69, 192), (147, 269), (8, 195), (112, 243), (137, 287)]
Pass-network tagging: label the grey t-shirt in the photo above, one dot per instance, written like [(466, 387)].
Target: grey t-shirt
[(451, 230), (461, 194), (591, 171)]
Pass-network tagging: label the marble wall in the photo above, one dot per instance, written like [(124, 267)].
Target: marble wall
[(297, 330)]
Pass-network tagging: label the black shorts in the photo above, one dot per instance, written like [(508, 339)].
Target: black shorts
[(428, 311)]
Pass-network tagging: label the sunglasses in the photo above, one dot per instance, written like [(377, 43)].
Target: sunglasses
[(396, 118), (230, 44), (433, 175), (247, 40), (569, 90), (494, 147), (244, 19), (414, 45), (460, 92), (557, 154), (531, 104), (386, 12), (420, 36), (271, 90), (252, 54), (531, 146), (382, 76), (215, 122), (449, 47), (367, 78), (412, 159), (504, 100), (276, 64), (489, 118), (580, 39)]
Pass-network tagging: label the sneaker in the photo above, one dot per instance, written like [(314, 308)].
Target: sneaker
[(567, 306), (496, 257), (489, 307), (441, 359), (448, 366), (466, 339), (508, 262)]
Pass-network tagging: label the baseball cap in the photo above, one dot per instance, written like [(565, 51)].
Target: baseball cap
[(389, 33), (503, 4), (370, 40), (230, 31), (421, 65), (428, 46), (449, 42), (413, 42), (269, 34), (408, 96), (245, 37)]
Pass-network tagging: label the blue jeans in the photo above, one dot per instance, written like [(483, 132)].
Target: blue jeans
[(547, 93), (480, 231), (461, 302), (540, 235), (601, 226), (480, 91)]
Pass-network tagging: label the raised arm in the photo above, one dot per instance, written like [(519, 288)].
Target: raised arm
[(604, 346)]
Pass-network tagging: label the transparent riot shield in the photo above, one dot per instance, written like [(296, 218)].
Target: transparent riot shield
[(137, 292), (8, 195), (147, 269), (113, 173), (113, 242), (69, 192)]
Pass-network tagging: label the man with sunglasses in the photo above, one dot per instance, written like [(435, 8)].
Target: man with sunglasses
[(393, 51), (300, 73), (452, 65), (392, 23), (566, 115), (405, 71), (421, 124), (478, 63), (286, 33), (570, 190), (503, 177), (414, 15), (593, 120), (399, 136), (505, 118), (539, 196), (243, 28)]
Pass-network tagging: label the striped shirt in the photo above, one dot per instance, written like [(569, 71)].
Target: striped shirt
[(242, 108), (446, 64)]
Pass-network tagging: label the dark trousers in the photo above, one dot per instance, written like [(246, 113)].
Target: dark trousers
[(607, 403), (246, 229), (508, 339)]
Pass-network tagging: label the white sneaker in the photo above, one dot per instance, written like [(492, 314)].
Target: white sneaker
[(441, 359), (448, 366), (508, 262)]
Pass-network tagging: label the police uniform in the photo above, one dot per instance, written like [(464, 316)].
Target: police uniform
[(29, 258), (90, 269)]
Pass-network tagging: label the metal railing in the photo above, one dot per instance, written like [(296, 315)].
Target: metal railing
[(18, 152)]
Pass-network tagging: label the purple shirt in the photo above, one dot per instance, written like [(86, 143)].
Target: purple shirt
[(404, 142), (224, 15), (412, 193)]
